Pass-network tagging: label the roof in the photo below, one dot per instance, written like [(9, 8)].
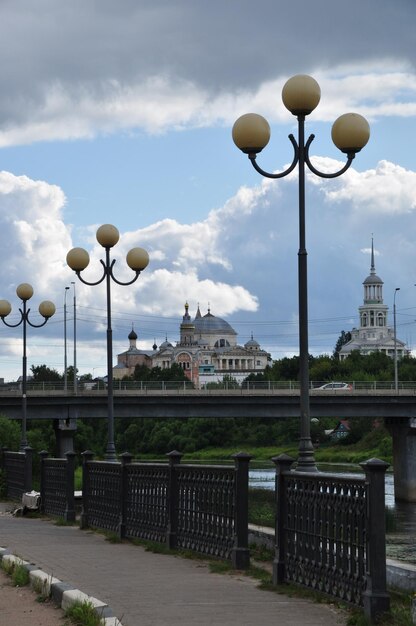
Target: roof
[(373, 279), (209, 324)]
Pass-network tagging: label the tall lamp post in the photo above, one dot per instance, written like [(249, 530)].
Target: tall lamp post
[(137, 259), (46, 308), (350, 133), (396, 378), (65, 346), (75, 340)]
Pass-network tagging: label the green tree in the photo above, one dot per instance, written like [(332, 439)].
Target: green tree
[(344, 338), (143, 373), (9, 433), (42, 373)]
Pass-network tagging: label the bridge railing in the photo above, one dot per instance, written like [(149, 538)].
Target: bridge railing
[(330, 533), (185, 387), (200, 508)]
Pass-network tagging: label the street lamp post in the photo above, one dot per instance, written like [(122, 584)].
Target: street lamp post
[(137, 259), (75, 340), (46, 308), (65, 346), (396, 378), (350, 133)]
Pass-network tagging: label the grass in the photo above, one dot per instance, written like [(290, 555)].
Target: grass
[(84, 614), (60, 521), (17, 571), (261, 507), (399, 614), (20, 576)]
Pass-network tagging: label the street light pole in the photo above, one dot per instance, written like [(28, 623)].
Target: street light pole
[(65, 346), (46, 308), (137, 259), (75, 340), (396, 378), (350, 133)]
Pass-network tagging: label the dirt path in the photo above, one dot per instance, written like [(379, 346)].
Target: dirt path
[(19, 607)]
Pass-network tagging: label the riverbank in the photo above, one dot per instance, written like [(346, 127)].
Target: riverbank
[(355, 453)]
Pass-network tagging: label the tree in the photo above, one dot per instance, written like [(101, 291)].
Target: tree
[(144, 373), (344, 338), (42, 373), (70, 373)]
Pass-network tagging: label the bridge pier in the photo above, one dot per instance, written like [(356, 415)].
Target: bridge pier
[(403, 433), (64, 433)]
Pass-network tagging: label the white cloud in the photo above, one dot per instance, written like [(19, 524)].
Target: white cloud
[(242, 258), (388, 188)]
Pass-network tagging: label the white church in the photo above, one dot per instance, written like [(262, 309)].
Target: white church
[(373, 333)]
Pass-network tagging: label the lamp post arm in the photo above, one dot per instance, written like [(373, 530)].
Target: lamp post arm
[(14, 325), (313, 169), (97, 282), (35, 325), (252, 157), (119, 282)]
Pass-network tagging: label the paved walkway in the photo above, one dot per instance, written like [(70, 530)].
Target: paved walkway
[(147, 589)]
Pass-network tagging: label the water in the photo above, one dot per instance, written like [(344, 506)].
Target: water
[(400, 541)]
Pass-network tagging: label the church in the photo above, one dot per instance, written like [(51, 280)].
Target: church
[(373, 333), (207, 351)]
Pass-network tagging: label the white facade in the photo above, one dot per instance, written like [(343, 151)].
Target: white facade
[(208, 350), (373, 334)]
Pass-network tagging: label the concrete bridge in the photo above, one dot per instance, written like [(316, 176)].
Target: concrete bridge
[(398, 410)]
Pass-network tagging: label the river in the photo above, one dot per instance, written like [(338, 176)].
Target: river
[(401, 522)]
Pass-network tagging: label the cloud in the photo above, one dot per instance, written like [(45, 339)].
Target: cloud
[(242, 259), (127, 71), (388, 188)]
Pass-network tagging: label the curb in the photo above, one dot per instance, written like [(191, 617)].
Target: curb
[(62, 594)]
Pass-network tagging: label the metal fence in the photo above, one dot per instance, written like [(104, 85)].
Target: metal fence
[(57, 486), (201, 508), (270, 386), (330, 533), (17, 467)]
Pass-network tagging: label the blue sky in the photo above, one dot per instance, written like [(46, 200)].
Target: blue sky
[(121, 112)]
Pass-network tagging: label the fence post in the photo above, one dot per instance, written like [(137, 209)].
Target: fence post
[(3, 449), (43, 456), (174, 458), (70, 487), (240, 554), (86, 457), (125, 459), (375, 598), (283, 463), (28, 469)]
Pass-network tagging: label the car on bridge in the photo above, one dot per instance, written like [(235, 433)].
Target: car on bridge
[(335, 386)]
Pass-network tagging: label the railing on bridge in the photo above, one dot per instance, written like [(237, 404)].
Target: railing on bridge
[(145, 387)]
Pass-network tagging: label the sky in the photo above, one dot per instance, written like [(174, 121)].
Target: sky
[(121, 112)]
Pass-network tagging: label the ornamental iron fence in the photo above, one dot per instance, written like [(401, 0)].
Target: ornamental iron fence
[(57, 496), (330, 533), (200, 508), (17, 467)]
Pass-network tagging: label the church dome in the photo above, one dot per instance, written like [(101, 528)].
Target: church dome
[(132, 335), (373, 279), (209, 324), (252, 344)]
